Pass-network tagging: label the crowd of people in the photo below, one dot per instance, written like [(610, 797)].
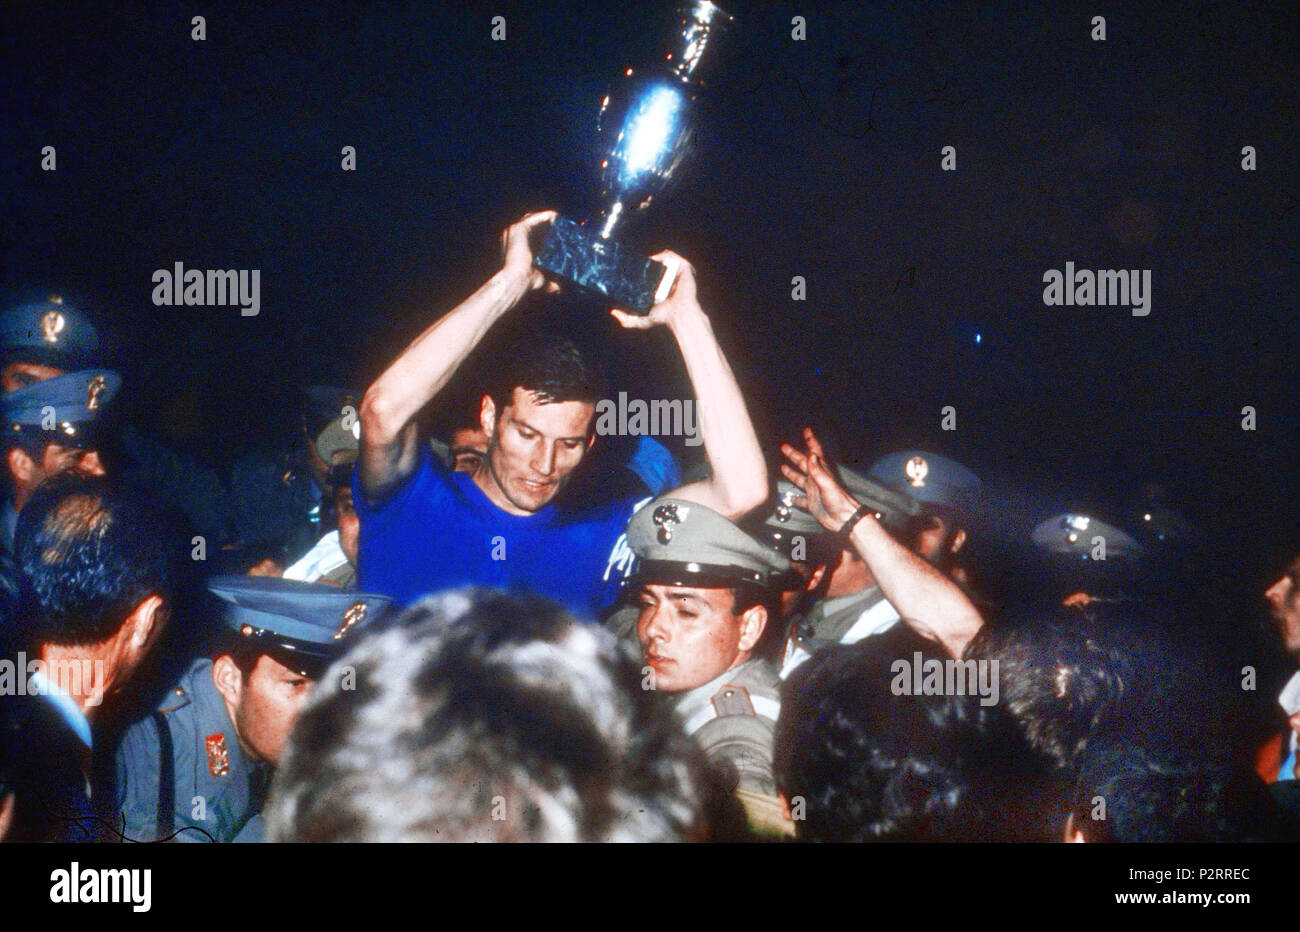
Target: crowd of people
[(506, 633)]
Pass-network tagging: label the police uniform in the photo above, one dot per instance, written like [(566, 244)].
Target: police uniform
[(64, 410), (181, 772), (733, 716), (844, 619)]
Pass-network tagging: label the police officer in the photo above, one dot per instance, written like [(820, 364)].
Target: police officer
[(1088, 562), (41, 340), (333, 559), (706, 591), (913, 589), (198, 767), (50, 426), (841, 602), (950, 497)]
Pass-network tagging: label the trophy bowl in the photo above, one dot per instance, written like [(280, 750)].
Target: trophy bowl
[(644, 131)]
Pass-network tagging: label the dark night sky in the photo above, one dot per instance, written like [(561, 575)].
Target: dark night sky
[(821, 160)]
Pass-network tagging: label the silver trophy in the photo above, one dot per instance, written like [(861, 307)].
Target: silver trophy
[(644, 130)]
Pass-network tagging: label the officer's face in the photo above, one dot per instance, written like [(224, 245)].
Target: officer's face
[(18, 375), (689, 636), (58, 459), (267, 707), (28, 473), (1283, 598), (938, 541), (534, 449)]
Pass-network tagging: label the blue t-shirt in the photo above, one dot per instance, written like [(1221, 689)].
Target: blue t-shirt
[(439, 531)]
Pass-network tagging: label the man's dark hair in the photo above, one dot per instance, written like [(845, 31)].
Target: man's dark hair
[(1061, 680), (481, 715), (238, 650), (772, 641), (867, 764), (549, 366), (1134, 787), (89, 551)]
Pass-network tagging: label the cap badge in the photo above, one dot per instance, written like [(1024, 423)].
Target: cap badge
[(785, 506), (664, 517), (52, 324), (93, 391), (218, 756), (917, 469), (353, 616)]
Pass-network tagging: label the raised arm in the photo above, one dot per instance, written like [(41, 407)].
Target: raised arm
[(739, 473), (389, 449), (926, 599)]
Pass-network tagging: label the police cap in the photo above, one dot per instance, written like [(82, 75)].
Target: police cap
[(47, 332), (304, 625), (931, 479), (681, 543), (63, 409)]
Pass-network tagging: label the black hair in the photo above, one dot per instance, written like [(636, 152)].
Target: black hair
[(860, 762), (1061, 679), (90, 551), (480, 715), (745, 596), (549, 366), (1134, 787)]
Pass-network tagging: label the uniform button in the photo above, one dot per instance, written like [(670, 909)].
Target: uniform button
[(180, 691)]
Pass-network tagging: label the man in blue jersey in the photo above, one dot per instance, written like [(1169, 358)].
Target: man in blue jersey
[(425, 528)]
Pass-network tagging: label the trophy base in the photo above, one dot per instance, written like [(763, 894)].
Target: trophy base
[(601, 267)]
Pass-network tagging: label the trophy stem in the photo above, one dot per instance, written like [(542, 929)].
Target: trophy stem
[(611, 220)]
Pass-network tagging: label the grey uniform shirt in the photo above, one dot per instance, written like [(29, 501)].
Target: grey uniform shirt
[(733, 717), (217, 789), (844, 619)]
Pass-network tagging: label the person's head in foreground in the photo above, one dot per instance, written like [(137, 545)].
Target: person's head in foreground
[(1061, 679), (1135, 786), (858, 759), (485, 716)]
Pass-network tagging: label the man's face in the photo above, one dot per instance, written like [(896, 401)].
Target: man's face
[(349, 523), (1283, 599), (533, 451), (938, 541), (28, 473), (267, 706), (18, 375), (468, 449), (689, 636), (58, 458)]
